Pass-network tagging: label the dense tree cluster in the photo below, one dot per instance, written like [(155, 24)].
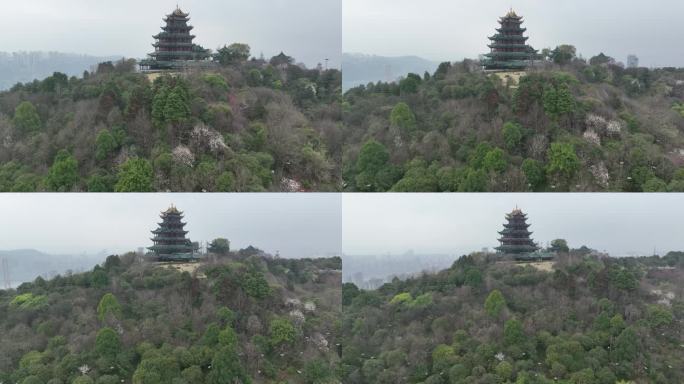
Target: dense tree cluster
[(246, 125), (565, 125), (244, 318), (591, 320)]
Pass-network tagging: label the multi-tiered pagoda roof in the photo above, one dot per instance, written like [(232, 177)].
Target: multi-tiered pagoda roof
[(170, 242), (509, 49), (174, 47), (515, 238)]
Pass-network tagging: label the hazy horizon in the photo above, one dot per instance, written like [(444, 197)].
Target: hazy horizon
[(457, 224), (116, 223), (442, 30), (310, 35)]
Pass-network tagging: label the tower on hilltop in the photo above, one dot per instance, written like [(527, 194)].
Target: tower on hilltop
[(173, 46), (508, 48), (515, 237), (170, 242)]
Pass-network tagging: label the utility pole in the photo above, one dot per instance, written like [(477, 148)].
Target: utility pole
[(6, 274)]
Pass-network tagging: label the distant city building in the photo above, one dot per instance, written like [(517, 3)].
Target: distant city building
[(632, 61), (515, 238), (170, 241), (509, 50), (173, 47)]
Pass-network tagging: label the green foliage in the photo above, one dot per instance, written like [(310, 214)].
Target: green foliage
[(419, 177), (563, 54), (255, 285), (403, 118), (410, 83), (219, 246), (494, 161), (318, 371), (659, 316), (83, 380), (512, 135), (63, 174), (563, 161), (135, 175), (495, 303), (559, 245), (401, 298), (626, 345), (107, 343), (232, 54), (225, 368), (374, 173), (443, 357), (504, 370), (105, 145), (108, 305), (513, 332), (29, 301), (558, 100), (281, 331), (26, 119), (534, 173), (216, 82), (228, 338), (156, 370), (679, 108)]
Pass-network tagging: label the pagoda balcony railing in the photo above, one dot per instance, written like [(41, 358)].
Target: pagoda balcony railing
[(171, 224), (516, 240), (511, 46), (514, 223), (511, 28), (499, 36), (171, 247), (169, 238), (170, 35), (166, 229), (162, 55), (514, 55), (187, 28), (164, 43), (515, 233)]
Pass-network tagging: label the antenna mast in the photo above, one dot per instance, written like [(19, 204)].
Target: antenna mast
[(6, 274)]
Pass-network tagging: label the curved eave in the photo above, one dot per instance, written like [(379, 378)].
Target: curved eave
[(517, 30)]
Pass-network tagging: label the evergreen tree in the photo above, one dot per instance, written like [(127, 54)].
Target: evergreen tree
[(63, 174), (26, 119), (135, 175)]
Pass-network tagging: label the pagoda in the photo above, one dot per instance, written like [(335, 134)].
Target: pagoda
[(515, 238), (173, 47), (170, 242), (509, 50)]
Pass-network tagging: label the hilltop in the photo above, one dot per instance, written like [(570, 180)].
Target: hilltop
[(245, 317), (243, 125), (588, 319), (565, 124)]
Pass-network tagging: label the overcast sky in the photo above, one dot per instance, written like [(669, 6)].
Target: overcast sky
[(621, 224), (297, 225), (447, 30), (309, 30)]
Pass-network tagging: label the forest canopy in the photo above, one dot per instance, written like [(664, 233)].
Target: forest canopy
[(244, 125)]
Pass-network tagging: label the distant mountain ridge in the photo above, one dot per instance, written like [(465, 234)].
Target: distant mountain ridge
[(27, 264), (371, 271), (22, 67), (361, 68)]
